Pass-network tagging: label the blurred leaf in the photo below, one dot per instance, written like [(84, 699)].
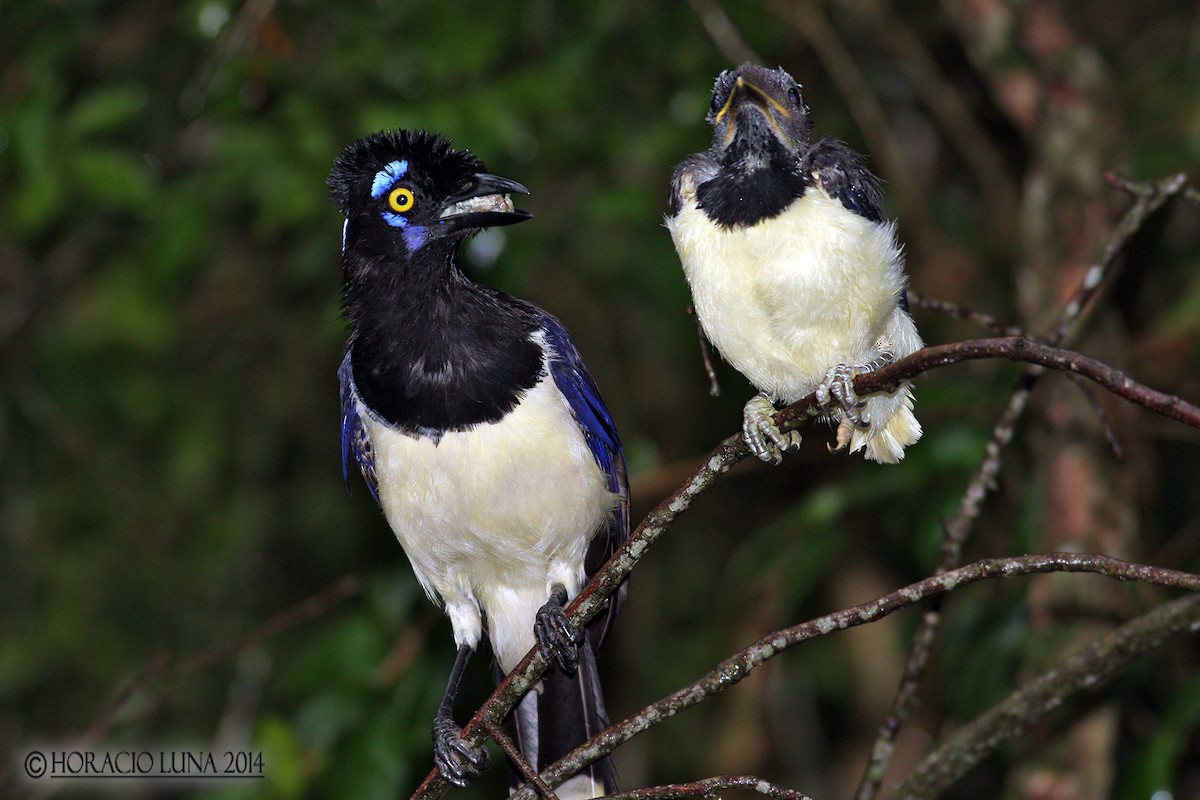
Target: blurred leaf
[(40, 191), (1153, 765), (345, 655), (120, 311), (177, 234), (104, 111), (113, 179), (370, 763), (37, 202), (284, 761)]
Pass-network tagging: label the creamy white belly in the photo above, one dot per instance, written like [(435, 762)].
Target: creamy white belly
[(790, 297), (493, 517)]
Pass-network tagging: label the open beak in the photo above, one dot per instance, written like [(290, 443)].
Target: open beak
[(744, 91), (770, 117), (485, 205)]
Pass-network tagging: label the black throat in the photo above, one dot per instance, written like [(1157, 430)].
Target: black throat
[(431, 351), (756, 181)]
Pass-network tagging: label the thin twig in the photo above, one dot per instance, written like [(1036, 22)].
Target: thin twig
[(724, 34), (518, 760), (1014, 348), (710, 787), (236, 37), (310, 608), (1110, 435), (742, 663), (985, 321), (947, 105), (161, 665), (1155, 196), (1148, 199), (1083, 672), (714, 388)]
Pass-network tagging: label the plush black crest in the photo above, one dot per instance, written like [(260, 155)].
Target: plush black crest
[(433, 162)]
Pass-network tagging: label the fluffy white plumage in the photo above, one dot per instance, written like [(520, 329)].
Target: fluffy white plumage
[(791, 296)]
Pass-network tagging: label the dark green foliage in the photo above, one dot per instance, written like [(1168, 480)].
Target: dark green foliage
[(169, 335)]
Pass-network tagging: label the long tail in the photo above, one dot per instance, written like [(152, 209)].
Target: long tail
[(549, 724)]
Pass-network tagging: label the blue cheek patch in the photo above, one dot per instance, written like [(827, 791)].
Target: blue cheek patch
[(394, 219), (387, 176), (414, 237)]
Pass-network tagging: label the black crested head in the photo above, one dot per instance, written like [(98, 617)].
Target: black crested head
[(430, 350), (432, 162), (761, 136), (412, 187)]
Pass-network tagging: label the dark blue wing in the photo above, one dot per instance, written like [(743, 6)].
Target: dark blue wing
[(355, 442), (572, 379), (844, 176)]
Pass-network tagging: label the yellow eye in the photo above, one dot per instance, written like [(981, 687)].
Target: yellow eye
[(400, 199)]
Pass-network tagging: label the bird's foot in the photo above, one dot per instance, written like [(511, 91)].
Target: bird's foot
[(459, 762), (837, 398), (556, 638), (762, 435)]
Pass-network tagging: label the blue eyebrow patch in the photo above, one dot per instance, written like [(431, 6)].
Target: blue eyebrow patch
[(387, 176)]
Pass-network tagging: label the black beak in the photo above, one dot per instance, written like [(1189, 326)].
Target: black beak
[(750, 112), (484, 205)]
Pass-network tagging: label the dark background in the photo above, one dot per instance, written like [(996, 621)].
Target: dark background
[(172, 514)]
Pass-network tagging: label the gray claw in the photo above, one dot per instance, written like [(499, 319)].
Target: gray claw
[(762, 435), (836, 394)]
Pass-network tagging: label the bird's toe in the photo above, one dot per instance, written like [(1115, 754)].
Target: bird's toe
[(556, 637), (458, 761)]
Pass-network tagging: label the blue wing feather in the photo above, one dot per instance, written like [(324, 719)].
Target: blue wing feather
[(572, 379), (355, 442)]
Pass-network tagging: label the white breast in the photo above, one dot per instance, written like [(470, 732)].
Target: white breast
[(491, 518), (790, 297)]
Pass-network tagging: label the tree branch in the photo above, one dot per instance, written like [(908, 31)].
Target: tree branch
[(593, 598), (1149, 197), (1085, 671), (161, 664), (742, 663), (985, 321), (709, 787), (1013, 348)]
